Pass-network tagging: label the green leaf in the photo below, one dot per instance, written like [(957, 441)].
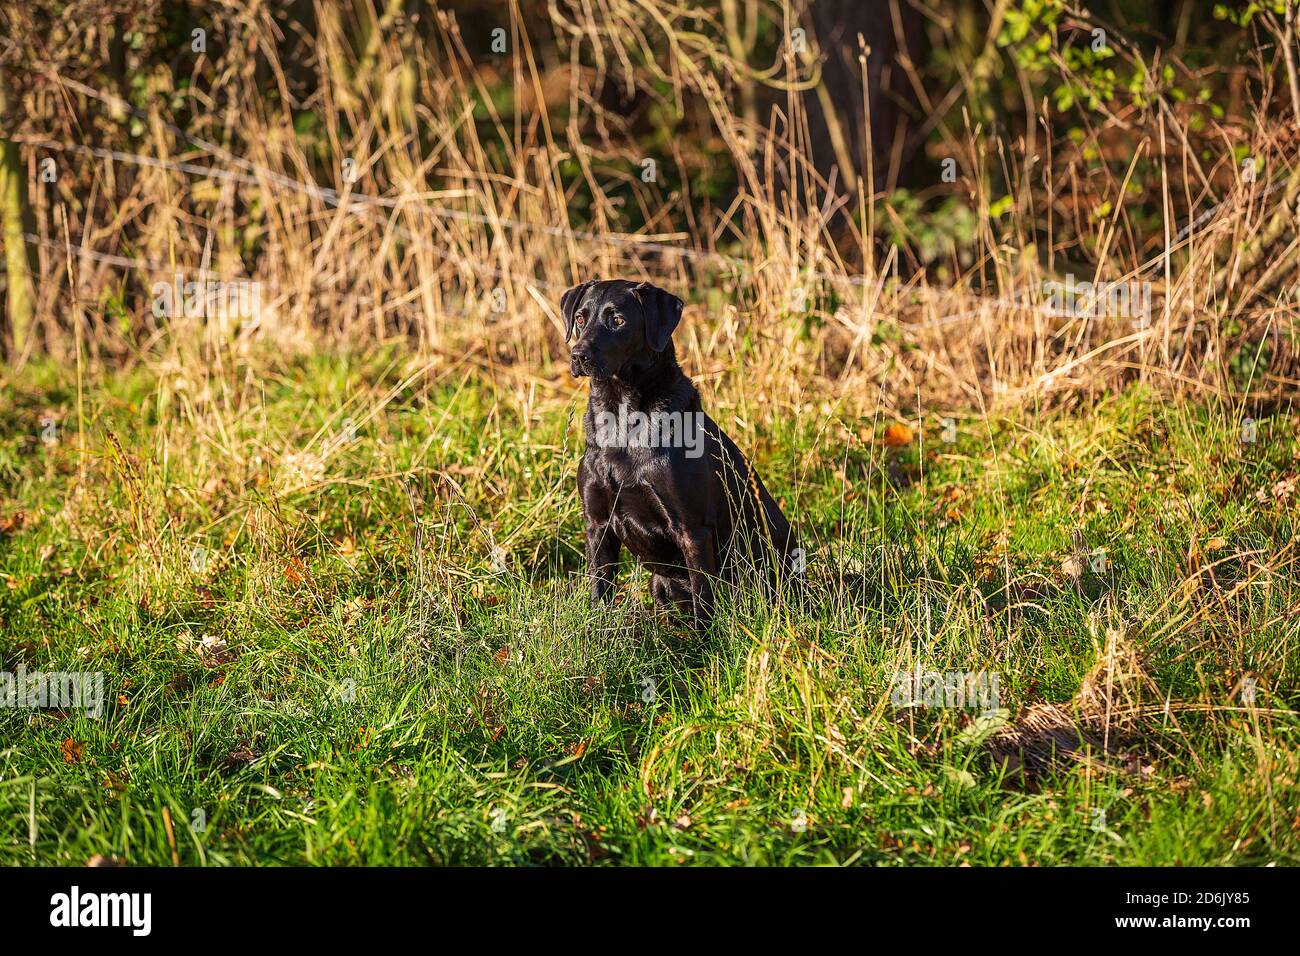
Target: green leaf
[(983, 727)]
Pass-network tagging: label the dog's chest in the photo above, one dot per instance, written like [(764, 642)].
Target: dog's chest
[(637, 512), (629, 483)]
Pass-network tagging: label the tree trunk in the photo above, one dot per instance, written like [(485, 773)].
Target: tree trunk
[(836, 118), (20, 307)]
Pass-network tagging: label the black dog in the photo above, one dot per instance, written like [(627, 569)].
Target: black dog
[(658, 476)]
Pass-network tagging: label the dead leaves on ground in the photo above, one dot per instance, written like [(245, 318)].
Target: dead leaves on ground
[(211, 650), (897, 435)]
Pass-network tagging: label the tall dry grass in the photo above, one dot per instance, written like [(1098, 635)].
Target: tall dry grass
[(456, 236)]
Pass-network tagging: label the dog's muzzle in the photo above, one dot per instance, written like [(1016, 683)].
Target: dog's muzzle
[(580, 362)]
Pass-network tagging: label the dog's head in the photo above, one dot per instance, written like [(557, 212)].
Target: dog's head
[(619, 325)]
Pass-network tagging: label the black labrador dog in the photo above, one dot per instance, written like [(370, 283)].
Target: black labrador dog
[(658, 476)]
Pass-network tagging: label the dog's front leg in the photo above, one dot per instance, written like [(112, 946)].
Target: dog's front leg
[(603, 548), (702, 566), (603, 545)]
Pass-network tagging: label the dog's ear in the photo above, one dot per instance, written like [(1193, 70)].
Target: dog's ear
[(569, 305), (663, 311)]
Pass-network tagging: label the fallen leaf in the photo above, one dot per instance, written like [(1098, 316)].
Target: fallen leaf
[(896, 435), (213, 651), (352, 610), (242, 753), (294, 570)]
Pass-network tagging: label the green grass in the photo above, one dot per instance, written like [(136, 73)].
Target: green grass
[(394, 698)]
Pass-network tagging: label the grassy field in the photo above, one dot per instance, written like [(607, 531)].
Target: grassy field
[(340, 612)]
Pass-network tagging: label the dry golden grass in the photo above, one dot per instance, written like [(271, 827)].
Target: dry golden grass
[(462, 251)]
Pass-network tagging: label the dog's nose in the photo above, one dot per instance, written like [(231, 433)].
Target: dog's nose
[(579, 359)]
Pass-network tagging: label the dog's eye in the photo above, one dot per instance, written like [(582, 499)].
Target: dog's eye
[(580, 319), (616, 321)]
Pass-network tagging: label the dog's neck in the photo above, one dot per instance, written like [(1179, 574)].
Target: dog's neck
[(644, 385)]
